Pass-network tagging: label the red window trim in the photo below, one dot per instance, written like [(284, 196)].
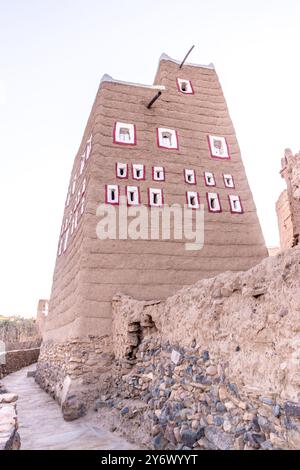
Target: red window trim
[(213, 156), (229, 187), (232, 211), (166, 148), (208, 205), (124, 143), (164, 178), (205, 182), (162, 197), (139, 197), (122, 177), (144, 172), (187, 200), (195, 176), (106, 199), (179, 89)]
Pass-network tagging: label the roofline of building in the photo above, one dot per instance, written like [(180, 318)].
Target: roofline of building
[(108, 78), (166, 57)]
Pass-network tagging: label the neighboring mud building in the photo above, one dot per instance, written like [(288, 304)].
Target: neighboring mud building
[(288, 204), (183, 149)]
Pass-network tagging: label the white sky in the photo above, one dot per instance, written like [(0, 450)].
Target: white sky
[(52, 56)]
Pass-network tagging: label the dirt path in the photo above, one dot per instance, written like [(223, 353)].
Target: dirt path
[(41, 425)]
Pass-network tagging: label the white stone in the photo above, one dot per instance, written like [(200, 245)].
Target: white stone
[(175, 356)]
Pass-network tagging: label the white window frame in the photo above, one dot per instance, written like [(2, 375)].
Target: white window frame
[(121, 166), (159, 193), (155, 171), (131, 132), (209, 197), (108, 193), (189, 91), (138, 167), (136, 192), (228, 176), (195, 196), (232, 199), (88, 148), (173, 142), (190, 173), (223, 152), (207, 175)]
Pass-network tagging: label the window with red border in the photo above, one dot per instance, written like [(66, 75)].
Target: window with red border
[(124, 134), (158, 173), (218, 147), (228, 180), (213, 202), (185, 86), (167, 138), (193, 199), (235, 203), (189, 176), (209, 179), (133, 195), (121, 170), (112, 194), (155, 197)]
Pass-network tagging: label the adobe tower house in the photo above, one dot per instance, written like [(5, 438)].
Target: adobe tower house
[(183, 149), (288, 204)]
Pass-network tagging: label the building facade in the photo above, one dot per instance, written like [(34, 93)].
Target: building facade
[(288, 204), (182, 150)]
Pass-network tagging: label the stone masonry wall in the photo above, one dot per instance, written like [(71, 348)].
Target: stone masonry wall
[(76, 372), (16, 360), (9, 436), (216, 366)]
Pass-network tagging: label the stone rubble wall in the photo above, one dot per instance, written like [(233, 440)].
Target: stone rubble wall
[(217, 364), (75, 373), (9, 436), (16, 360)]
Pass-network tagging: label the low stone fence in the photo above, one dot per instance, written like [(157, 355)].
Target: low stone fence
[(16, 360), (9, 436)]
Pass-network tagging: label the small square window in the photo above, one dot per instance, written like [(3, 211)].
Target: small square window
[(82, 205), (66, 240), (60, 246), (209, 179), (155, 197), (112, 193), (74, 184), (190, 176), (185, 86), (138, 171), (68, 198), (82, 163), (218, 147), (122, 170), (133, 196), (213, 202), (88, 148), (228, 181), (235, 204), (158, 173), (124, 134), (167, 138), (83, 186), (192, 199)]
